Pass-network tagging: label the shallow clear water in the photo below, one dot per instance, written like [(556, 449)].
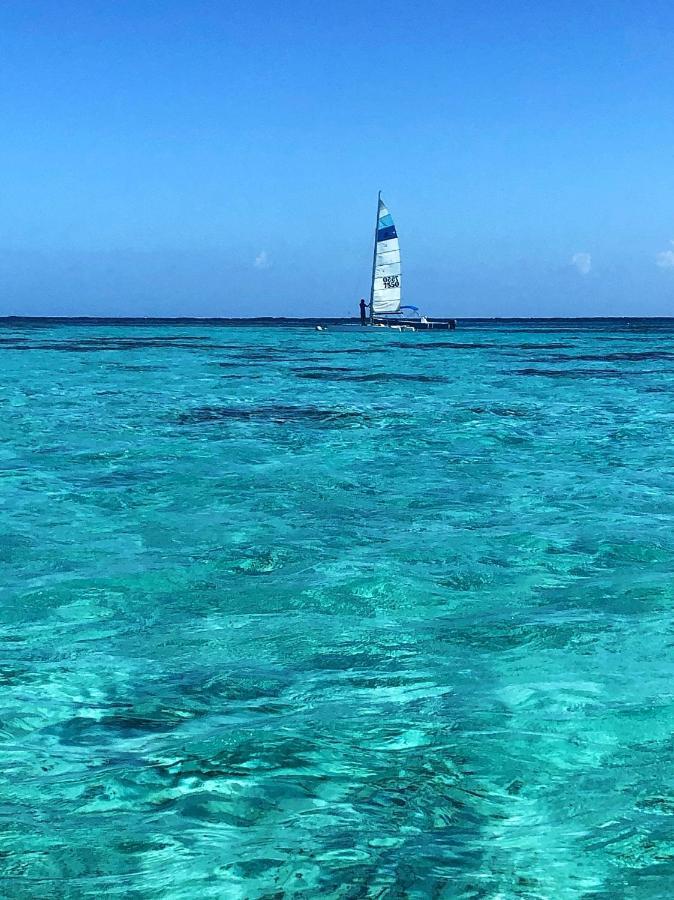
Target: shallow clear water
[(288, 613)]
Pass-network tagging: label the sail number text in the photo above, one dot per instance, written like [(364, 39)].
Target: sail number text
[(391, 281)]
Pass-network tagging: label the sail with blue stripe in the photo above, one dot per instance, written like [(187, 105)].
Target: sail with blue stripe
[(386, 286)]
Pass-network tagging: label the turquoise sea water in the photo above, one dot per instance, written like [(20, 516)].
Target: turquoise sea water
[(291, 614)]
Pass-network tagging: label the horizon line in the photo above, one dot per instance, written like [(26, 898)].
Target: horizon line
[(156, 318)]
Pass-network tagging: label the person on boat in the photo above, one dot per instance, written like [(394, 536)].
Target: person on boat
[(363, 315)]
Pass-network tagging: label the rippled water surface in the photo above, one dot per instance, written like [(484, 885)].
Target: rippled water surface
[(288, 613)]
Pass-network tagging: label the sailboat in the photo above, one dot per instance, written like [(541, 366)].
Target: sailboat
[(386, 309)]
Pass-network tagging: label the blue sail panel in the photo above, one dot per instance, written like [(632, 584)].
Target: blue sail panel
[(386, 233)]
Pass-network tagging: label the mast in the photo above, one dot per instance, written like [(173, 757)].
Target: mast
[(374, 261)]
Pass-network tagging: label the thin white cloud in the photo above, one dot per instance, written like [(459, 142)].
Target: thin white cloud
[(262, 260), (582, 262), (665, 259)]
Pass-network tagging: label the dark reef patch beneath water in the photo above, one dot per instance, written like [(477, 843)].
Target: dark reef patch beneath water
[(140, 367), (350, 351), (342, 374), (632, 356), (577, 373), (528, 346), (95, 345), (502, 411), (275, 414)]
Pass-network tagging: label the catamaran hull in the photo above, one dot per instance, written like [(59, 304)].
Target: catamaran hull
[(429, 325)]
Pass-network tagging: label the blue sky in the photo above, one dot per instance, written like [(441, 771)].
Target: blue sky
[(215, 158)]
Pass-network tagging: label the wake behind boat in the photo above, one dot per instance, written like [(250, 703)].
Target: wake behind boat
[(385, 309)]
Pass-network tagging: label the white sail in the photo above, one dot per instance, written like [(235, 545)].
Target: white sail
[(386, 269)]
